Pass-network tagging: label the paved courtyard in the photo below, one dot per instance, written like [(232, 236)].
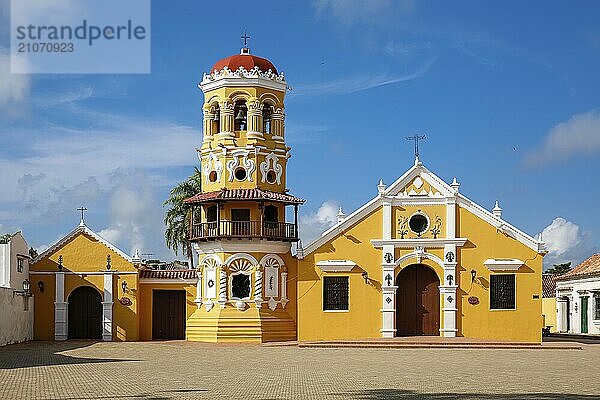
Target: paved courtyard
[(172, 370)]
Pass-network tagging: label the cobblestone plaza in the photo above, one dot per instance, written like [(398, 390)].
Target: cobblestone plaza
[(173, 370)]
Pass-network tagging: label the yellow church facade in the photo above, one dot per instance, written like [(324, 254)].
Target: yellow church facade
[(420, 258)]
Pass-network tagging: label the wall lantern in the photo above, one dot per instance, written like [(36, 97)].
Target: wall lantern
[(124, 286), (41, 286), (26, 292), (473, 275)]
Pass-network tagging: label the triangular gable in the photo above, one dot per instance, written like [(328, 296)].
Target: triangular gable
[(431, 186), (419, 181), (82, 228)]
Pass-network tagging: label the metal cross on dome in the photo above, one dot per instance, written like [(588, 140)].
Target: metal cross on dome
[(245, 37), (416, 139)]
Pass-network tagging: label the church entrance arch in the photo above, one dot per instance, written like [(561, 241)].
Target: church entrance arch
[(85, 313), (417, 301)]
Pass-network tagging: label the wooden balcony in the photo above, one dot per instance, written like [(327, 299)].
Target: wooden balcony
[(282, 231)]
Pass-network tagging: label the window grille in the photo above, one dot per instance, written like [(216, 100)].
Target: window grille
[(335, 293), (502, 292), (597, 307)]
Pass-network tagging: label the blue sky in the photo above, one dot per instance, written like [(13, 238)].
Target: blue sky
[(507, 94)]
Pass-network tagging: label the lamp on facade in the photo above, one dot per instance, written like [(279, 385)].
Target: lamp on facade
[(365, 276), (473, 275), (124, 286), (26, 292)]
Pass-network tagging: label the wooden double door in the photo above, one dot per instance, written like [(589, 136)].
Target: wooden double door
[(85, 313), (417, 301), (168, 314)]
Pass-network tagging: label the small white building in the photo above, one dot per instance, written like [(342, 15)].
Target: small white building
[(578, 299), (16, 305)]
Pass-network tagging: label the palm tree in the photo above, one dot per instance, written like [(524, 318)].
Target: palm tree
[(178, 215)]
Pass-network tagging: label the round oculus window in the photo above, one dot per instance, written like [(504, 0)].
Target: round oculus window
[(418, 223), (212, 176), (271, 176), (240, 174)]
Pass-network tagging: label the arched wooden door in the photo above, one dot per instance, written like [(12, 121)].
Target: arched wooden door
[(85, 313), (417, 301)]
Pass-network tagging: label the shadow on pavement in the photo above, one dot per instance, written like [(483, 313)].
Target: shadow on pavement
[(37, 354), (388, 394)]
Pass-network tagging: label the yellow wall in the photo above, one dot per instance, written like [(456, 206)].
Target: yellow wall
[(478, 321), (83, 253), (363, 320), (549, 312)]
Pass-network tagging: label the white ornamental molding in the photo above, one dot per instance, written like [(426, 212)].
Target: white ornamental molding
[(271, 163), (240, 159), (242, 72), (240, 265), (212, 163)]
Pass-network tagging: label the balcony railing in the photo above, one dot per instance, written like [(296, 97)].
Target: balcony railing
[(244, 229)]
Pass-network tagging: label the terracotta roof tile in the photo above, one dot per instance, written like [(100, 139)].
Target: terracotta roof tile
[(247, 61), (549, 285), (243, 194), (589, 267), (168, 274)]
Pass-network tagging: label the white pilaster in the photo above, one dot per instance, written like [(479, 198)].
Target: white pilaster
[(60, 308), (258, 286), (561, 314), (284, 299), (388, 300), (198, 299), (107, 307), (448, 290), (222, 288), (387, 219), (450, 218)]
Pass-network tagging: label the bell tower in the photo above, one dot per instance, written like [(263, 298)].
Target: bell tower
[(238, 226)]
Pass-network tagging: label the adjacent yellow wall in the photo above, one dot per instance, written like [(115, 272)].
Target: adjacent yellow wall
[(145, 297), (549, 312)]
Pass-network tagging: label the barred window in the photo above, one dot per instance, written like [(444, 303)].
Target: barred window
[(502, 292), (597, 308), (335, 293)]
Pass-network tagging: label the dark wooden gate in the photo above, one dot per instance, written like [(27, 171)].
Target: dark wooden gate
[(417, 301), (168, 314), (85, 313)]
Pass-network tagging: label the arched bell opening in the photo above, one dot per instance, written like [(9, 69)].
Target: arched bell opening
[(240, 112)]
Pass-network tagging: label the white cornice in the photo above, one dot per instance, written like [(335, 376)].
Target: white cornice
[(503, 264), (241, 246), (424, 243), (501, 224), (341, 226), (336, 265), (82, 228)]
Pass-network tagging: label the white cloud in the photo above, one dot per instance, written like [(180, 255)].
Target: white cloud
[(580, 135), (135, 215), (312, 225), (561, 236), (360, 82), (566, 241), (351, 11)]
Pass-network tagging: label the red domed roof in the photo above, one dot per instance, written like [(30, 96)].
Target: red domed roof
[(246, 60)]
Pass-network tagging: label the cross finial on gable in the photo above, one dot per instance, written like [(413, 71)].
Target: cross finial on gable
[(416, 139), (83, 210)]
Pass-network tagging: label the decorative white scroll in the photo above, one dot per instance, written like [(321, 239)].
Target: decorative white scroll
[(265, 167)]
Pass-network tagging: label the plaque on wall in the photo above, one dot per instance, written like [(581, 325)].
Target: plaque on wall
[(271, 282)]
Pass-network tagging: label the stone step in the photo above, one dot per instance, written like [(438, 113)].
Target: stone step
[(439, 345)]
